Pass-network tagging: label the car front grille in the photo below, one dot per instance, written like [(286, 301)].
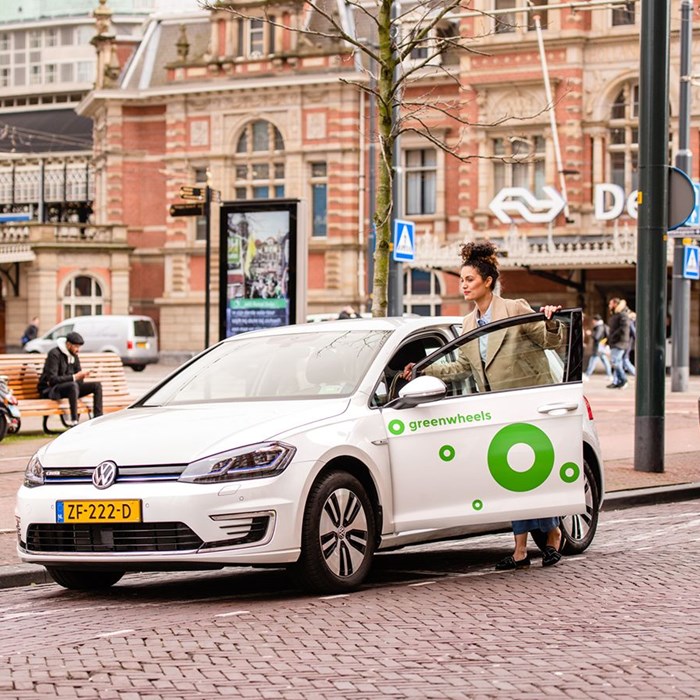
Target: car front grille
[(83, 475), (116, 537)]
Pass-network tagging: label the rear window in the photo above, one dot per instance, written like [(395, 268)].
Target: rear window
[(144, 329)]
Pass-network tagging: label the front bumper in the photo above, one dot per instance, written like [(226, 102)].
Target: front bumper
[(182, 524)]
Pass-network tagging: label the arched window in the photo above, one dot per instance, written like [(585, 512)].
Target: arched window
[(623, 138), (259, 170), (82, 296), (421, 293)]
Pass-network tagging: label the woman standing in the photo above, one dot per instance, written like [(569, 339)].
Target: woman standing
[(496, 369)]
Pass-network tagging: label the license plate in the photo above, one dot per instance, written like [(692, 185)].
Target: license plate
[(98, 511), (141, 344)]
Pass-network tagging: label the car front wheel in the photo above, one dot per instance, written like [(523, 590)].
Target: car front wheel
[(82, 579), (578, 530), (338, 536)]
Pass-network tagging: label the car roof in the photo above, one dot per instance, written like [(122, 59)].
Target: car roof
[(390, 323)]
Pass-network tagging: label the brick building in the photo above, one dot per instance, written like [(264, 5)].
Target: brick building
[(262, 112)]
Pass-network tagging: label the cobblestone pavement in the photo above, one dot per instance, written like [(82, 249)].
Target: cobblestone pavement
[(620, 621)]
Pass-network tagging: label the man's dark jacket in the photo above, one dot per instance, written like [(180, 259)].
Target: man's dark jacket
[(619, 330), (57, 370)]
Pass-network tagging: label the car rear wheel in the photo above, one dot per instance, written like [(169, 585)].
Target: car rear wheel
[(138, 368), (578, 530), (338, 536), (83, 580)]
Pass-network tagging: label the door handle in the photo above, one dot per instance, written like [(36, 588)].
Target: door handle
[(558, 408)]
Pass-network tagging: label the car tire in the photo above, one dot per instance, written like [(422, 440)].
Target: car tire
[(82, 579), (138, 368), (578, 530), (338, 535)]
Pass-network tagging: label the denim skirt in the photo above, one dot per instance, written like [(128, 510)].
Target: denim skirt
[(543, 524)]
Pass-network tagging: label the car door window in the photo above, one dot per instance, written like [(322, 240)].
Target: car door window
[(517, 353), (61, 331)]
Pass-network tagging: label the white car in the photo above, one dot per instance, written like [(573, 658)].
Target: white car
[(299, 447)]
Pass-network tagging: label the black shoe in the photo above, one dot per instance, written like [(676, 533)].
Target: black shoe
[(612, 386), (510, 563), (550, 556)]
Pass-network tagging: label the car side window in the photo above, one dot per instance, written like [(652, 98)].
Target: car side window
[(517, 353), (391, 380), (61, 331)]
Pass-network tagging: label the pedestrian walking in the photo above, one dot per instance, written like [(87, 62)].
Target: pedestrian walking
[(599, 349), (618, 340), (62, 377), (627, 362), (479, 274), (31, 331)]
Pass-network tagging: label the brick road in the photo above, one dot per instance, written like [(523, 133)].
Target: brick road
[(621, 621)]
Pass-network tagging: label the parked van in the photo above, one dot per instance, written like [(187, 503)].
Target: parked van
[(133, 338)]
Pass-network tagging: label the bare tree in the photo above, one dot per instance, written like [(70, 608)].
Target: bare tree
[(399, 51)]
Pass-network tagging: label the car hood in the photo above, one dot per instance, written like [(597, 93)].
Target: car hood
[(181, 434)]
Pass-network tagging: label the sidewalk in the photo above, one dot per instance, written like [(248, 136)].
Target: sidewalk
[(613, 410)]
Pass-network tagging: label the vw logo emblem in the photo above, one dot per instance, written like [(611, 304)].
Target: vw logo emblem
[(105, 475)]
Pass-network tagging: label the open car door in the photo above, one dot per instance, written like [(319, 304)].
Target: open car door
[(499, 437)]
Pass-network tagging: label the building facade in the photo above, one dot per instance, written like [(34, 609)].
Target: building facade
[(535, 112)]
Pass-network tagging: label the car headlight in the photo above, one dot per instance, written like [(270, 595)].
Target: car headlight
[(249, 462), (34, 473)]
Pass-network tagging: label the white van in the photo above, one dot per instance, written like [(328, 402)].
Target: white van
[(133, 338)]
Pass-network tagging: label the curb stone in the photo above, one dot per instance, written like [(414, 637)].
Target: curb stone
[(16, 575)]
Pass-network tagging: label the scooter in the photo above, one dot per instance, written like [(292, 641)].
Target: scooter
[(10, 418)]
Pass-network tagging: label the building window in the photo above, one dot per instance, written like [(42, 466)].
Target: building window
[(623, 138), (504, 21), (4, 77), (4, 41), (34, 40), (50, 73), (421, 293), (421, 179), (51, 37), (319, 199), (259, 171), (623, 14), (82, 296), (85, 72), (256, 38), (519, 161), (34, 75)]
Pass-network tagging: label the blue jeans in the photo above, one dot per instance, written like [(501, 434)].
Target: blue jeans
[(617, 356), (593, 361)]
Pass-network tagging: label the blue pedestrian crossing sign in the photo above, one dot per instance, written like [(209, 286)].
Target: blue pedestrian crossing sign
[(404, 240), (691, 262), (694, 219)]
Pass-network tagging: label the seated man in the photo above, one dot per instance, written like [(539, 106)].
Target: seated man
[(62, 377)]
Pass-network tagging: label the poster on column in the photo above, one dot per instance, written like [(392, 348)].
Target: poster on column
[(259, 280)]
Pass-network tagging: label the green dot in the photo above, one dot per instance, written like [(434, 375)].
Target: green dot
[(515, 434), (396, 427), (447, 453), (569, 472), (477, 504)]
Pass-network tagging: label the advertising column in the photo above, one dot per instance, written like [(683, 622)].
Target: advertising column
[(261, 260)]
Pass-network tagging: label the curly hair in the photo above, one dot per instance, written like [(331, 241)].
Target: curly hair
[(482, 257)]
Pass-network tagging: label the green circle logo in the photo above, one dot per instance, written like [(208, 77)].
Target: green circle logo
[(447, 453), (515, 434), (396, 427), (477, 504), (569, 472)]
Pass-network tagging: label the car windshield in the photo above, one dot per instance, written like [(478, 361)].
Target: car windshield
[(275, 367)]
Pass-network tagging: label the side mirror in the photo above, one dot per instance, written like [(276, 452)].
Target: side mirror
[(420, 390)]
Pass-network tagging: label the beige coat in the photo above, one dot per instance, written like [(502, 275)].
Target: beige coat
[(514, 356)]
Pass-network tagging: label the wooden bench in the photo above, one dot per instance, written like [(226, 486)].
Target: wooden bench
[(24, 369)]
